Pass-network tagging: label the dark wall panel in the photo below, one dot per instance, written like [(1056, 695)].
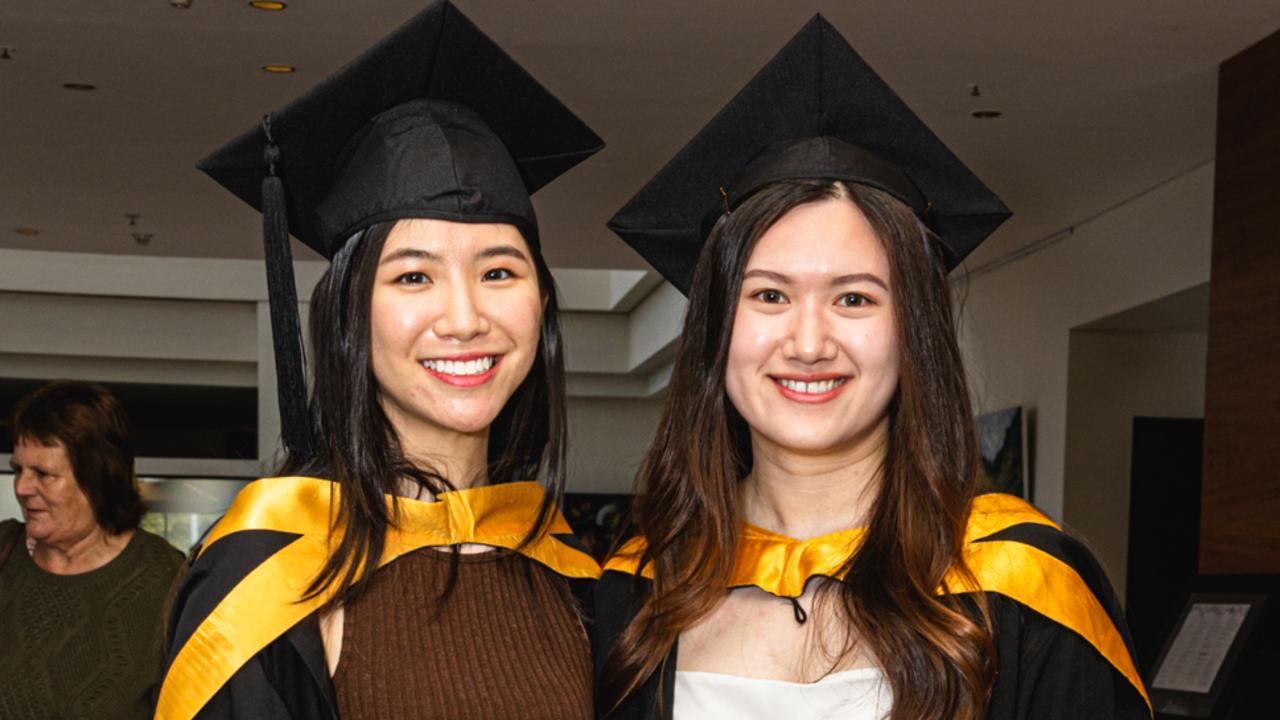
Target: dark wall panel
[(174, 421), (1240, 515), (1164, 524)]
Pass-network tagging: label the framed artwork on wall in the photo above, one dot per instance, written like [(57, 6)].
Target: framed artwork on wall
[(1002, 436)]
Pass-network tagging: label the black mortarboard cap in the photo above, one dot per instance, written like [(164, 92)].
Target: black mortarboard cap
[(434, 121), (816, 110)]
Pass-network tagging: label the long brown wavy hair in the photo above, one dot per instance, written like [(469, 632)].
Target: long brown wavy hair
[(935, 649)]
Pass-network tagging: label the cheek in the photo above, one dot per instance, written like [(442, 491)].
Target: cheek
[(875, 349), (750, 346), (395, 324), (65, 499), (392, 320), (521, 319)]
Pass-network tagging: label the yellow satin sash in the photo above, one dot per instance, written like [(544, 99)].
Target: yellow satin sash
[(268, 601), (781, 566)]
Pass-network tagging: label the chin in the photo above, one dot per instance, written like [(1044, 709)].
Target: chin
[(813, 438), (797, 437), (467, 427), (37, 532), (471, 421)]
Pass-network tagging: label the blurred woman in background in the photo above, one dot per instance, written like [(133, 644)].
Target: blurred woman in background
[(82, 587)]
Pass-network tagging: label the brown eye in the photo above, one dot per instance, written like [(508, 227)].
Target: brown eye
[(414, 278), (499, 274), (854, 300), (771, 297)]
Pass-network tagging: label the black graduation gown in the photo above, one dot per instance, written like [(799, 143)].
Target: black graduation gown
[(241, 644), (1063, 650)]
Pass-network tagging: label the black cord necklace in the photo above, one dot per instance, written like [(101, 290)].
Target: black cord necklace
[(798, 609)]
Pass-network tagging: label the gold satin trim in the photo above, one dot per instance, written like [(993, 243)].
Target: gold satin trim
[(1052, 588), (781, 566), (265, 604)]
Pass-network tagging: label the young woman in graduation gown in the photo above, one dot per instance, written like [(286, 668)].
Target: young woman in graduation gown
[(810, 542), (405, 564)]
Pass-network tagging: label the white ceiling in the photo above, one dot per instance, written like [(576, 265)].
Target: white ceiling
[(1101, 100)]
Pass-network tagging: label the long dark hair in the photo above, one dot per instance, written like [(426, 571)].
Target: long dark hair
[(936, 650), (360, 450)]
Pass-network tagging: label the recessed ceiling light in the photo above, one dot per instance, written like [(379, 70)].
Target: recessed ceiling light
[(272, 6), (79, 86), (987, 114), (279, 69), (27, 231)]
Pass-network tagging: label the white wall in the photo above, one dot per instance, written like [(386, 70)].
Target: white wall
[(1018, 317), (127, 327), (206, 322), (607, 441), (9, 507), (1114, 377)]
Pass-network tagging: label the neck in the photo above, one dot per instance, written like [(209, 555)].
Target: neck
[(462, 458), (90, 551), (804, 495)]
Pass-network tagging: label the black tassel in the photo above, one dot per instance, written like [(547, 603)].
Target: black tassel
[(282, 293)]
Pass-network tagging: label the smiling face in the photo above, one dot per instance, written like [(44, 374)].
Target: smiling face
[(813, 358), (455, 317), (55, 509)]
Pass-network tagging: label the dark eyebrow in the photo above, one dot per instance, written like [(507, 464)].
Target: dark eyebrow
[(501, 251), (768, 275), (842, 280), (415, 253), (860, 277)]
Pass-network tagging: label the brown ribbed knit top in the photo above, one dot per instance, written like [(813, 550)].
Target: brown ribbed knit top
[(504, 643)]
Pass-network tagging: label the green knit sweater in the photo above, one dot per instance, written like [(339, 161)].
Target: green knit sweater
[(86, 645)]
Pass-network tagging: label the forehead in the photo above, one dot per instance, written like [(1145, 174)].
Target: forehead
[(824, 238), (449, 239), (29, 451)]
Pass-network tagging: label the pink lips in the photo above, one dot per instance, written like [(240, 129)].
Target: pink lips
[(808, 397), (466, 381)]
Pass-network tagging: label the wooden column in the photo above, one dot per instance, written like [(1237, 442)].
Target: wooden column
[(1240, 510)]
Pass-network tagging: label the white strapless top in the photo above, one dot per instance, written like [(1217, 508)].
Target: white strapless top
[(861, 694)]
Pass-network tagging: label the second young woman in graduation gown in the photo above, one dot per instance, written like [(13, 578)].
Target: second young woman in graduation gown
[(811, 541)]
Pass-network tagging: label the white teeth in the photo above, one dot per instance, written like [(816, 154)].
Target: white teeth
[(811, 388), (460, 367)]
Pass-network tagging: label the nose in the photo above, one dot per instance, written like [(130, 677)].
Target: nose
[(810, 339), (462, 318), (24, 485)]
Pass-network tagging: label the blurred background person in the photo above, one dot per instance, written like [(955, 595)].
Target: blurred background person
[(82, 587)]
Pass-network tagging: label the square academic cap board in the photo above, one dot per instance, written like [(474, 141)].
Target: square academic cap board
[(816, 110)]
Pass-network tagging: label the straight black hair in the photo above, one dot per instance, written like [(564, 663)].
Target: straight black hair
[(357, 446)]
